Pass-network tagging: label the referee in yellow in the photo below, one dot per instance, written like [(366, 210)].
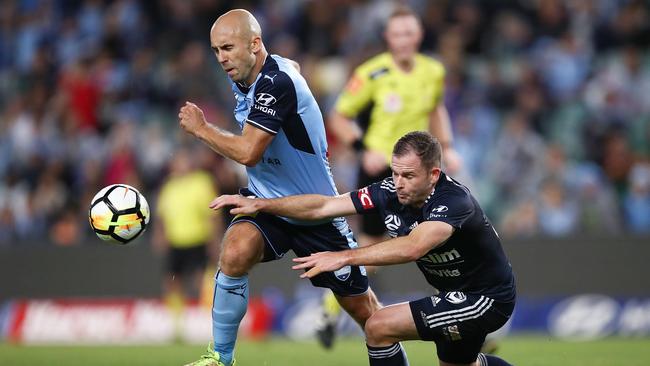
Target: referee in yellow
[(395, 92), (187, 232)]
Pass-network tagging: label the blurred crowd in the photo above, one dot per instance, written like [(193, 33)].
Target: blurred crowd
[(549, 102)]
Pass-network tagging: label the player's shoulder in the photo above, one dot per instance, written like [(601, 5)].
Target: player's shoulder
[(381, 192), (429, 64), (384, 188), (375, 66), (387, 185), (429, 61), (276, 74), (274, 80), (449, 192)]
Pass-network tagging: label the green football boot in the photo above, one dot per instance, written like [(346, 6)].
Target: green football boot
[(211, 358)]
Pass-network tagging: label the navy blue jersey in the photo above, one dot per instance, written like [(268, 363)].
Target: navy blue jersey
[(471, 260)]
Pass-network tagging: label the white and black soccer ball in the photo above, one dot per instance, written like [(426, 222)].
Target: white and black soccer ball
[(119, 213)]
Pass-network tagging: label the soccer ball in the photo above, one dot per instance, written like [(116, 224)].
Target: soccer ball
[(118, 213)]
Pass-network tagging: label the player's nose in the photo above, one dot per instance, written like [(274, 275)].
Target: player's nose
[(222, 58)]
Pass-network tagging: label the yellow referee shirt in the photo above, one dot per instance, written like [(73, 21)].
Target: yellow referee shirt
[(183, 207), (400, 102)]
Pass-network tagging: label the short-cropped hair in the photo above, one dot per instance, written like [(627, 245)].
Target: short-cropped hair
[(422, 144)]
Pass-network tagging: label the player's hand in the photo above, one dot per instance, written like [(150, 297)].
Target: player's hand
[(243, 205), (318, 263), (453, 161), (191, 118), (373, 162)]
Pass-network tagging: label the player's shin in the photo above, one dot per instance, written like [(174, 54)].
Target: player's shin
[(392, 355), (228, 309)]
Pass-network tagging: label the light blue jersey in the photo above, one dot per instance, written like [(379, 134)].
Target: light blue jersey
[(280, 103)]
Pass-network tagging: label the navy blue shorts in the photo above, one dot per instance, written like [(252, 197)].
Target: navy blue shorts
[(281, 236), (458, 323)]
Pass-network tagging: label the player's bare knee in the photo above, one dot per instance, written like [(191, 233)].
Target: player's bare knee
[(241, 251), (376, 331), (238, 258), (233, 265)]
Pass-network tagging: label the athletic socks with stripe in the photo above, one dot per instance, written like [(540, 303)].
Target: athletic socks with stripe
[(490, 360), (392, 355), (228, 308)]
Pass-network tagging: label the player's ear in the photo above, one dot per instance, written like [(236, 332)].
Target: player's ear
[(435, 174), (256, 44)]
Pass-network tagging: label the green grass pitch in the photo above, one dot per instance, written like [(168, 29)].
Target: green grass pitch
[(522, 350)]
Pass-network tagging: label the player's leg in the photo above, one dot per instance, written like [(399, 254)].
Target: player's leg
[(395, 323), (175, 302), (350, 283), (196, 269), (243, 247), (182, 263), (372, 231), (329, 319), (482, 360), (384, 330), (173, 289), (458, 323)]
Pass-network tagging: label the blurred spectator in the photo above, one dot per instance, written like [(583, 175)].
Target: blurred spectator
[(187, 231), (121, 161), (564, 65), (636, 202), (82, 94), (617, 161), (517, 158), (599, 209), (89, 92), (617, 93), (557, 212), (521, 220)]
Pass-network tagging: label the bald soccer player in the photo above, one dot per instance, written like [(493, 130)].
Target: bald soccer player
[(283, 146)]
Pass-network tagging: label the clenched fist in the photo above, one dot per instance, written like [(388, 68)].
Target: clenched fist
[(191, 118)]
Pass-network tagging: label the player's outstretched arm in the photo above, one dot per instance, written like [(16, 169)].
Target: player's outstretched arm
[(246, 149), (301, 207), (404, 249)]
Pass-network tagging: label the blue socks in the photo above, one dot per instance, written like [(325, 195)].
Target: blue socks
[(228, 308)]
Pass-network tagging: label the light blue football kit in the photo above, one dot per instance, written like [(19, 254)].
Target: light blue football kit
[(280, 103)]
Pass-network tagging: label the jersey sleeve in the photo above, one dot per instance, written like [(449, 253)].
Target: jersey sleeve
[(452, 208), (356, 96), (275, 99), (368, 199)]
